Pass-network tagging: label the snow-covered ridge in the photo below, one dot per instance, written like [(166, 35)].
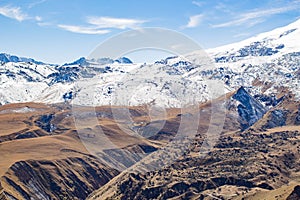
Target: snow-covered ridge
[(271, 58), (5, 58), (269, 45)]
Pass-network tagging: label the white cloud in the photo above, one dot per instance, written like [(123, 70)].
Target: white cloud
[(84, 30), (194, 21), (33, 4), (198, 3), (118, 23), (254, 17), (17, 14), (44, 24), (101, 25), (222, 7), (38, 18), (13, 13)]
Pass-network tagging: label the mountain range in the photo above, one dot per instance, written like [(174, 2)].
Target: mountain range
[(247, 92), (271, 57)]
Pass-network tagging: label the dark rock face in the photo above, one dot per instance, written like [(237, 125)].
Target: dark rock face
[(254, 49), (72, 178), (250, 110), (2, 195), (295, 195), (64, 74), (123, 60), (80, 61), (297, 120), (277, 118), (268, 100), (26, 135), (45, 122), (5, 58), (68, 96)]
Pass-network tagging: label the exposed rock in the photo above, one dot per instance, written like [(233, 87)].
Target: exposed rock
[(72, 178), (2, 195), (297, 120), (45, 123), (276, 118), (250, 110), (268, 100), (295, 195), (25, 135), (242, 160)]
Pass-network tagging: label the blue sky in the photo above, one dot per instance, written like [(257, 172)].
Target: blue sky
[(59, 31)]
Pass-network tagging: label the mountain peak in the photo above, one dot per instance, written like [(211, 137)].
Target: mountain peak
[(80, 61), (101, 61), (123, 60), (272, 44), (5, 58)]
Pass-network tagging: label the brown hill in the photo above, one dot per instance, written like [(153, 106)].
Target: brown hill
[(43, 157), (46, 155), (256, 163)]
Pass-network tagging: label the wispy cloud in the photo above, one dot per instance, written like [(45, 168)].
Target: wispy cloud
[(194, 21), (222, 7), (83, 30), (102, 25), (33, 4), (45, 24), (198, 3), (13, 13), (257, 16), (16, 13), (118, 23)]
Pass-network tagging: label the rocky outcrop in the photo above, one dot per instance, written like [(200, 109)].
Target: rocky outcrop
[(71, 178), (44, 122), (276, 118), (295, 195), (268, 100), (297, 119), (250, 110), (2, 195), (284, 114), (241, 160)]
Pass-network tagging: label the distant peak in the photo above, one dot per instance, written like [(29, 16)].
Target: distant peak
[(101, 61), (80, 61), (279, 40), (123, 60), (12, 58)]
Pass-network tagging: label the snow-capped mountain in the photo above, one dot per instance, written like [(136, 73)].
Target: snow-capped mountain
[(271, 60), (267, 46), (5, 58), (265, 65), (23, 80)]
